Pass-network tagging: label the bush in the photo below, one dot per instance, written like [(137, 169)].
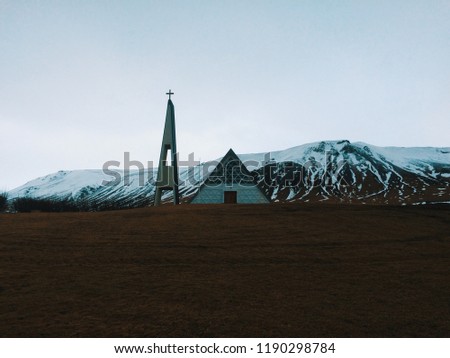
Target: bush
[(27, 204), (3, 201)]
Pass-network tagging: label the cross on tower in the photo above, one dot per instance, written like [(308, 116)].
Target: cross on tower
[(170, 93)]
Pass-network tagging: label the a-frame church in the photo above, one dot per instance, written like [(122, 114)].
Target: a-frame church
[(230, 182)]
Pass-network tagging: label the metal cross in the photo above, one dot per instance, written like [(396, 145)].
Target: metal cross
[(170, 93)]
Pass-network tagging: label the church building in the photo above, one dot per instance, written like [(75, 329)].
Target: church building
[(231, 183)]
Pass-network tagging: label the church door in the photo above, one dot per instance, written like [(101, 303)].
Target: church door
[(230, 197)]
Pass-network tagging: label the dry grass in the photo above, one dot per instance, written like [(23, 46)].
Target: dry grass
[(284, 270)]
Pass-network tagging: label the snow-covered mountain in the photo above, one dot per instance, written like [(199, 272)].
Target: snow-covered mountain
[(323, 171), (358, 172)]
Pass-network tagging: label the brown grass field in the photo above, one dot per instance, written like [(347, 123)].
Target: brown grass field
[(280, 270)]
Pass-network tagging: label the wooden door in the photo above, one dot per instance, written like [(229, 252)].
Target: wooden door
[(230, 197)]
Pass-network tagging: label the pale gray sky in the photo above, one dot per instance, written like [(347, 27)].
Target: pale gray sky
[(83, 81)]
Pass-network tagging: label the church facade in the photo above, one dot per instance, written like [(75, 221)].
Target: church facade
[(231, 183)]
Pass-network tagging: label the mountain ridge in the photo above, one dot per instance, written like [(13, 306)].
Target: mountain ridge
[(336, 171)]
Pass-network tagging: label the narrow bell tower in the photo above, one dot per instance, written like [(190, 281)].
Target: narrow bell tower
[(167, 178)]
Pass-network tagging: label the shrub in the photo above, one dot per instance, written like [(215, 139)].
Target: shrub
[(3, 201), (28, 204)]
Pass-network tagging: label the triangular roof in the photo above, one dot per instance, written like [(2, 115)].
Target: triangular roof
[(230, 170)]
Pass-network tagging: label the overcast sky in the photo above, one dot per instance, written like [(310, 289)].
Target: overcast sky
[(81, 82)]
